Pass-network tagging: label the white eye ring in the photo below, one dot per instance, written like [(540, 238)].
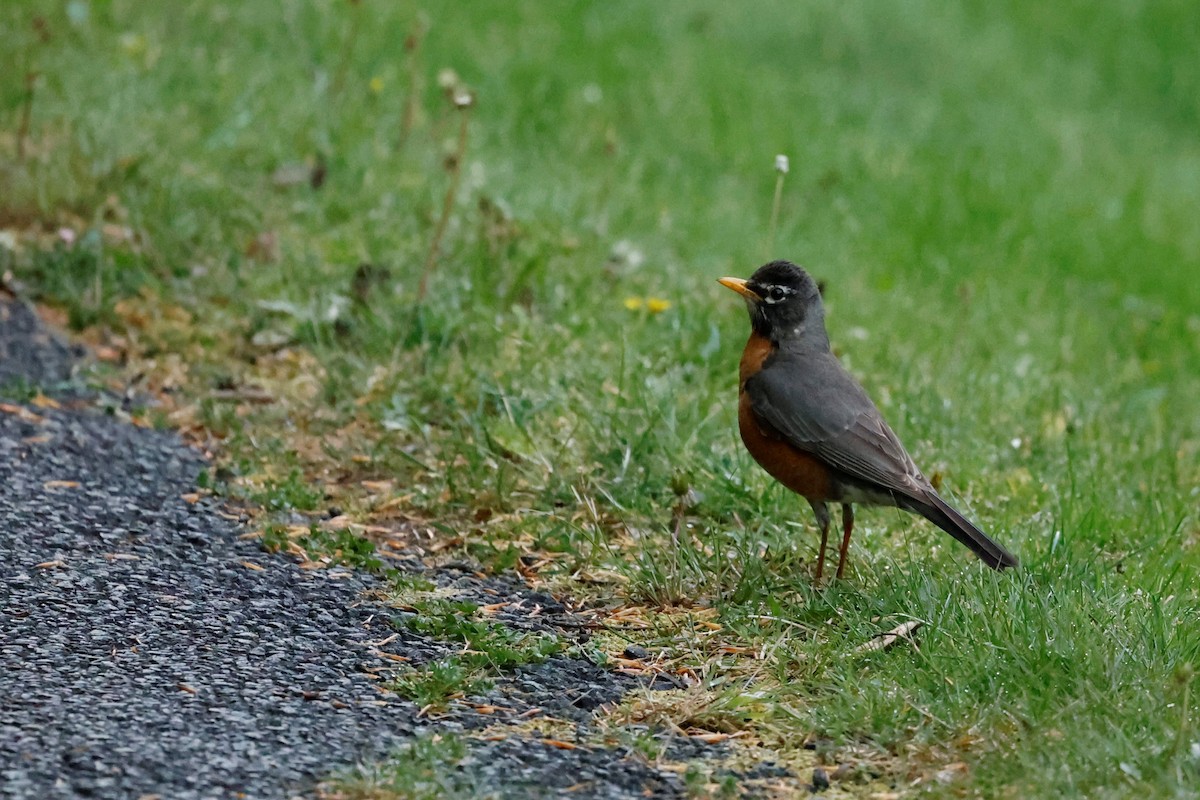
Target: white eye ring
[(777, 294)]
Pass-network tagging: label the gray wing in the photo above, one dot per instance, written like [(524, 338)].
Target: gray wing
[(818, 407)]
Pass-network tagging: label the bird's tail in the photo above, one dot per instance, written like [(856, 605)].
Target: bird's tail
[(946, 517)]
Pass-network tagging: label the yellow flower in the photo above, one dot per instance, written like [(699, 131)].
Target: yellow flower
[(376, 85), (655, 305)]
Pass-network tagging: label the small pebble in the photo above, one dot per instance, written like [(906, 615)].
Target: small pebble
[(636, 652), (820, 779)]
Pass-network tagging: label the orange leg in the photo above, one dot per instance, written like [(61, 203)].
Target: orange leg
[(847, 529), (822, 512)]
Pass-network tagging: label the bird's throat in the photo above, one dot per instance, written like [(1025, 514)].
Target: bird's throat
[(758, 348)]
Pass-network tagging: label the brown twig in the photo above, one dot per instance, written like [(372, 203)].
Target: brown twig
[(882, 641), (463, 100)]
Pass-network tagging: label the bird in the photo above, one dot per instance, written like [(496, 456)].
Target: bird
[(812, 427)]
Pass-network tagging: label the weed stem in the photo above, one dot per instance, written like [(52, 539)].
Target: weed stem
[(781, 171), (26, 114), (412, 44), (456, 167)]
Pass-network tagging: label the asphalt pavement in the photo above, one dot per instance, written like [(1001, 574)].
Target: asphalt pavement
[(148, 651)]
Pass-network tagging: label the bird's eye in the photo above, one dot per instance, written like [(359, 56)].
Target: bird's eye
[(776, 293)]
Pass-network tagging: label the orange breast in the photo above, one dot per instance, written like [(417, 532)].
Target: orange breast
[(756, 352), (801, 472)]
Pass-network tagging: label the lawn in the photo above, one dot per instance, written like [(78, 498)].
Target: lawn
[(238, 204)]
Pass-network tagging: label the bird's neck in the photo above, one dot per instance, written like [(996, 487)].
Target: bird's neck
[(808, 338), (759, 348), (806, 335)]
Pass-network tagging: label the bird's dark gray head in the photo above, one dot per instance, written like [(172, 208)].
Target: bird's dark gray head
[(784, 303)]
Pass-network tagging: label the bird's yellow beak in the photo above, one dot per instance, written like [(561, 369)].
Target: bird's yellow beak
[(739, 286)]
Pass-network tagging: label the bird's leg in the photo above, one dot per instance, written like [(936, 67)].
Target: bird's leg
[(822, 513), (847, 529)]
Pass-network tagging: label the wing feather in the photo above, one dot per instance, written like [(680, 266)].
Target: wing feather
[(816, 406)]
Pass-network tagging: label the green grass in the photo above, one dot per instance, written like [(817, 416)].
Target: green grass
[(336, 546), (428, 769), (292, 493), (488, 649), (1000, 197)]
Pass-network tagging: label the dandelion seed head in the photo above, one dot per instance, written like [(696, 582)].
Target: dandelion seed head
[(627, 253)]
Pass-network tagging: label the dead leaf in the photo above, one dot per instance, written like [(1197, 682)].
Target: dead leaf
[(950, 772), (21, 412), (560, 744), (263, 248), (382, 642), (60, 485), (41, 401), (715, 738), (104, 352)]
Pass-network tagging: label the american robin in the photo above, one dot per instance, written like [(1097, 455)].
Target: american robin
[(810, 425)]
